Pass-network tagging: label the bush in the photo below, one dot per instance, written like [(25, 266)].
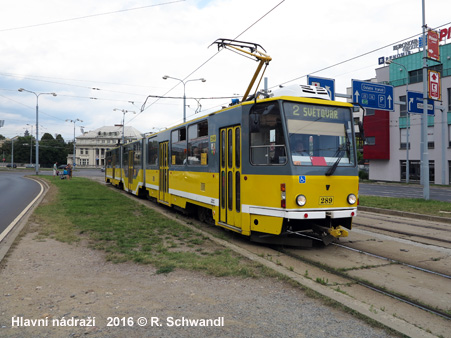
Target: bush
[(363, 174)]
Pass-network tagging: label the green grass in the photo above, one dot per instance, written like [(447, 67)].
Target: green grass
[(82, 210), (415, 205)]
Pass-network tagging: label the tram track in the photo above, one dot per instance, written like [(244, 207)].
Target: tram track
[(405, 233), (372, 286), (421, 316), (376, 288)]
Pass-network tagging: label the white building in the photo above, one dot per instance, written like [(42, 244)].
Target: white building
[(91, 146), (386, 146)]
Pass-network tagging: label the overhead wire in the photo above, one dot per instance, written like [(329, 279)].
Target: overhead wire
[(354, 58), (143, 107), (89, 16)]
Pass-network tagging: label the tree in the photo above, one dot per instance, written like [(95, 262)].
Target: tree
[(51, 150)]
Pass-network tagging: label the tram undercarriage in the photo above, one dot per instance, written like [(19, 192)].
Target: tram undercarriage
[(304, 233)]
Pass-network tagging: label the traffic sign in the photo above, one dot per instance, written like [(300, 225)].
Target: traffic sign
[(434, 85), (415, 103), (373, 95), (329, 84)]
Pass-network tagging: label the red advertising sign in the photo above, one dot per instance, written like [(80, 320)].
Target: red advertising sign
[(434, 85), (433, 45)]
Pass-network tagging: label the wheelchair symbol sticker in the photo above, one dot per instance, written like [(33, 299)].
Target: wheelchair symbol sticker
[(302, 179)]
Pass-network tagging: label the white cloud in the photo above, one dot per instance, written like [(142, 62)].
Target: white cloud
[(125, 54)]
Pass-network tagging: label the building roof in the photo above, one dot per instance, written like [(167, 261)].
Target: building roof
[(113, 132)]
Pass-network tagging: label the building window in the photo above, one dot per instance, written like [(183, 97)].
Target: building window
[(403, 107), (416, 76), (403, 138), (370, 140), (449, 99)]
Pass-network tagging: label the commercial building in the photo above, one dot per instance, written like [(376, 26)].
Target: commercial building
[(392, 138), (92, 145)]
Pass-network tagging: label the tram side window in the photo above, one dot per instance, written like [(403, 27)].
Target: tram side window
[(198, 143), (178, 146), (137, 154), (152, 152), (108, 159), (267, 139)]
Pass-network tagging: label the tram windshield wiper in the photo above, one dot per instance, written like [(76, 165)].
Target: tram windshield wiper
[(339, 154), (342, 149)]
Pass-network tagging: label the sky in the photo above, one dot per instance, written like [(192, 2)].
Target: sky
[(105, 57)]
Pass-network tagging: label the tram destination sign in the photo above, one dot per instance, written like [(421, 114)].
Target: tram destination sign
[(373, 95)]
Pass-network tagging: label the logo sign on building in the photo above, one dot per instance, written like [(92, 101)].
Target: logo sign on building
[(373, 95), (433, 47), (415, 103), (434, 85), (328, 84)]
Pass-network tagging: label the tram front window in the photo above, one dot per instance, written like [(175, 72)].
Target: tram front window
[(319, 135)]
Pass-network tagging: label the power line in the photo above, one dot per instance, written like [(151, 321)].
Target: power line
[(356, 57), (88, 16), (143, 107)]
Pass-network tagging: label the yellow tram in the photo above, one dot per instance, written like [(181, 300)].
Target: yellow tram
[(278, 168)]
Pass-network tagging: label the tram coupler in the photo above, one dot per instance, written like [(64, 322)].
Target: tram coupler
[(338, 232)]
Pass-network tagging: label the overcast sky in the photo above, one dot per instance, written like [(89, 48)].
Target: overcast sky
[(102, 55)]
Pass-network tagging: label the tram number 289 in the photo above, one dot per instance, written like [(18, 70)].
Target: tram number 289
[(326, 200)]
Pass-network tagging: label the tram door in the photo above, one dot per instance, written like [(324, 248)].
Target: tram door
[(131, 169), (230, 176), (164, 172), (113, 166)]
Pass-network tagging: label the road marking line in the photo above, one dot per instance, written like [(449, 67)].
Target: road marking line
[(17, 219)]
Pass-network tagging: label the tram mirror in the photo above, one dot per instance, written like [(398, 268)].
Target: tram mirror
[(254, 123)]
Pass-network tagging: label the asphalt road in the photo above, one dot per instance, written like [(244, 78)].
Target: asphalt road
[(16, 192), (404, 191)]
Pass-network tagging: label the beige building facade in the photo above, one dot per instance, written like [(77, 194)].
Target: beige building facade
[(90, 148)]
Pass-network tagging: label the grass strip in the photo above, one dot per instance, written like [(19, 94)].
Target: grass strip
[(80, 209), (415, 205)]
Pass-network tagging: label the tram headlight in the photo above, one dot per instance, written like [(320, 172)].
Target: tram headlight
[(301, 200), (352, 199)]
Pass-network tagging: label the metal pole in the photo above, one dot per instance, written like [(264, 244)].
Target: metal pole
[(424, 129), (37, 135), (123, 126), (443, 145), (37, 124), (184, 103), (12, 153), (73, 156)]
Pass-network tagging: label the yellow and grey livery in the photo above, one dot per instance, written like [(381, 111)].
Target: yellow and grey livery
[(273, 167)]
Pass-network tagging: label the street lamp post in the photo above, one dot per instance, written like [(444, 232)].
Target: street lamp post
[(31, 142), (408, 119), (73, 156), (184, 91), (123, 121), (37, 121)]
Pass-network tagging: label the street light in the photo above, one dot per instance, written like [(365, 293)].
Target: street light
[(408, 119), (37, 120), (123, 121), (184, 88), (31, 142), (73, 156)]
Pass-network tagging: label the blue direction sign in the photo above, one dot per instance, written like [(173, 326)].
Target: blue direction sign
[(329, 84), (373, 95), (415, 103)]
